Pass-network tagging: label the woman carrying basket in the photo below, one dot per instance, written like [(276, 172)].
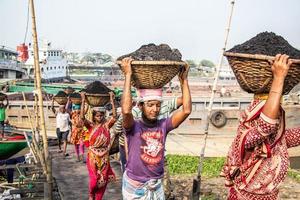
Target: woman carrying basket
[(100, 171), (78, 130), (258, 160)]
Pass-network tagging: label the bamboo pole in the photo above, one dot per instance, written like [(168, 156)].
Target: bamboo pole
[(197, 182), (40, 101), (31, 147), (37, 124)]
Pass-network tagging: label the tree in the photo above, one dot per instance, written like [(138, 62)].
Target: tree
[(88, 58), (206, 63), (191, 63)]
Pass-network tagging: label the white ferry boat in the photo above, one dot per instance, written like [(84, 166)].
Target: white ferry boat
[(53, 65)]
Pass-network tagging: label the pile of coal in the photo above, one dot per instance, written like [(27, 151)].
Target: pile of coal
[(61, 94), (75, 95), (96, 87), (267, 43), (152, 52)]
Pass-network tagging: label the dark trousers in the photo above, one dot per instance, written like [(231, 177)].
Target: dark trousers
[(10, 172)]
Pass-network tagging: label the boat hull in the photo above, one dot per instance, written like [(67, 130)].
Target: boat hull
[(10, 148)]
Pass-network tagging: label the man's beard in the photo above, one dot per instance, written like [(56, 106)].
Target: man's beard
[(151, 122)]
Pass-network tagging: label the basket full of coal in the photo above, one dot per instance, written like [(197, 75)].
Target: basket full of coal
[(97, 94), (61, 98), (75, 98), (154, 65), (251, 64)]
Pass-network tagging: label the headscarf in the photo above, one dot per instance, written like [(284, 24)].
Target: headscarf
[(149, 94), (99, 109)]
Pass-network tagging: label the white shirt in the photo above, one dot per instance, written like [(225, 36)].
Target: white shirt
[(223, 90), (62, 121)]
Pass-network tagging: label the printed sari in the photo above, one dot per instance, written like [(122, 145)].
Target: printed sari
[(100, 171), (258, 160), (78, 130)]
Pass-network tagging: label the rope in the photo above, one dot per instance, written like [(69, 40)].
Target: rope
[(197, 188), (26, 24)]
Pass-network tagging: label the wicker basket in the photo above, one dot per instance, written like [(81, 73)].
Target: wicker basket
[(254, 73), (97, 99), (61, 100), (153, 74), (75, 100)]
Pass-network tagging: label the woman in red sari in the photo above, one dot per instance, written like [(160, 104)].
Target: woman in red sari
[(258, 160), (100, 171), (78, 130)]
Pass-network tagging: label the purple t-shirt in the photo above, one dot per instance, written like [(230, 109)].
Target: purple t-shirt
[(146, 147)]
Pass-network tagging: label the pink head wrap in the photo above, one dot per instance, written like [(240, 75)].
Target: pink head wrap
[(149, 94)]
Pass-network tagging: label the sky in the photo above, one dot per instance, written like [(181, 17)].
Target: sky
[(117, 27)]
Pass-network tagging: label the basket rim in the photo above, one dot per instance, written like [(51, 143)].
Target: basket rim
[(97, 95), (255, 56), (154, 62)]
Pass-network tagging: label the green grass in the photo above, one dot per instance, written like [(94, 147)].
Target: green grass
[(210, 197), (178, 164), (294, 175)]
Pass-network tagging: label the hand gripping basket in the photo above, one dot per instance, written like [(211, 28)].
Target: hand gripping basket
[(153, 74), (61, 100), (97, 99), (254, 73)]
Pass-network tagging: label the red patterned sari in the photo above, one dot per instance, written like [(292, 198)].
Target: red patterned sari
[(258, 160), (100, 171), (78, 130)]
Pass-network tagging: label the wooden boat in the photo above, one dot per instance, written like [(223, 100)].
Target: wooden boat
[(14, 141)]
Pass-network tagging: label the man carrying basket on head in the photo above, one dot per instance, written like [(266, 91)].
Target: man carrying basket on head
[(146, 137)]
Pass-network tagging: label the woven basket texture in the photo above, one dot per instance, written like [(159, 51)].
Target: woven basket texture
[(254, 73), (61, 100), (76, 100), (153, 74), (97, 99)]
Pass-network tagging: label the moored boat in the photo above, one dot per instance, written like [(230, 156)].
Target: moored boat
[(14, 141)]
